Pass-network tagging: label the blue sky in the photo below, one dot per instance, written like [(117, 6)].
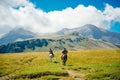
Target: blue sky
[(115, 27), (51, 5)]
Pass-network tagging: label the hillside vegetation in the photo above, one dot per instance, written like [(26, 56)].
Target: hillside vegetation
[(73, 41), (81, 65)]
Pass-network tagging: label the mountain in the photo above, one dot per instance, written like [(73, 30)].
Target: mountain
[(91, 31), (72, 41), (0, 35), (16, 35)]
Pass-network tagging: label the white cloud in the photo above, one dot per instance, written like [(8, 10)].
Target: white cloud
[(14, 3), (29, 17)]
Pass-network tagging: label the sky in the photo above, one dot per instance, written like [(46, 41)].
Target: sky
[(51, 5), (46, 16)]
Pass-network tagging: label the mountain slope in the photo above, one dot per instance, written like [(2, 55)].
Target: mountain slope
[(16, 35), (91, 31), (71, 41)]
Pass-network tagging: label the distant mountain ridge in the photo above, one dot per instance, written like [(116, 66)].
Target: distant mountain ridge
[(91, 31), (85, 37), (15, 35), (72, 41)]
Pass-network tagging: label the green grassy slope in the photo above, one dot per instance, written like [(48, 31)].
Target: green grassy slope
[(83, 64), (72, 42)]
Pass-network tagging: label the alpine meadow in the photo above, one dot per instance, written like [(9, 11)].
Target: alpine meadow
[(59, 40), (83, 64)]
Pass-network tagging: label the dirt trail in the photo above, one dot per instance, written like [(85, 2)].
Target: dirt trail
[(75, 75)]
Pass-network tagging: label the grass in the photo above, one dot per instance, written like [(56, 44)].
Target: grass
[(94, 64)]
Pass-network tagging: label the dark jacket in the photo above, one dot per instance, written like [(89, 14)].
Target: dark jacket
[(64, 51)]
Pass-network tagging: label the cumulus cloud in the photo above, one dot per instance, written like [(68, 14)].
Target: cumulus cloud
[(22, 13)]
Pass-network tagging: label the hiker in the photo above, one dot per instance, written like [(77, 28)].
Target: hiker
[(64, 56), (51, 55)]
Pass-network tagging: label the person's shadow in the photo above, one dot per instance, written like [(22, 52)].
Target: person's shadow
[(69, 65), (56, 62)]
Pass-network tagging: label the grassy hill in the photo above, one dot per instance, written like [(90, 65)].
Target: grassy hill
[(71, 41), (83, 64)]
